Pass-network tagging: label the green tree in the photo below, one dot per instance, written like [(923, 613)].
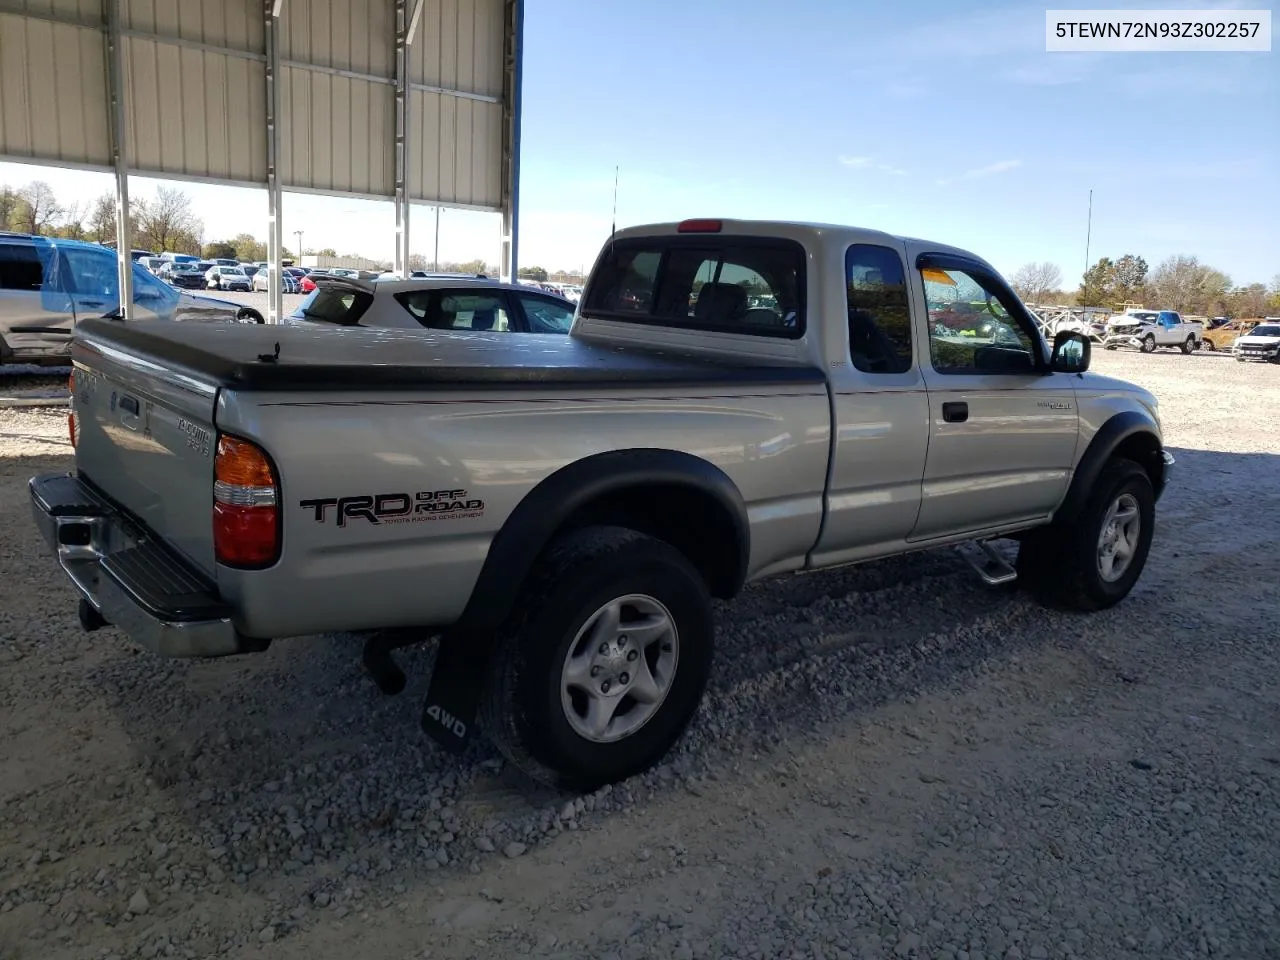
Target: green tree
[(219, 250), (1274, 302), (8, 208), (532, 273), (327, 252), (1130, 275), (248, 250), (1098, 284)]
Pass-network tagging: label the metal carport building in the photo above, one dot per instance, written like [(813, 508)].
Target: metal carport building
[(412, 101)]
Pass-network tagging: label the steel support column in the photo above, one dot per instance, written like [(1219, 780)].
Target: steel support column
[(275, 226), (513, 55), (401, 144), (119, 158)]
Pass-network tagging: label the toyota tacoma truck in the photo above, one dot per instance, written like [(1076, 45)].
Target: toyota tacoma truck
[(735, 400), (1148, 329)]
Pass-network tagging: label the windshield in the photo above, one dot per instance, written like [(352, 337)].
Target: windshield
[(1265, 330)]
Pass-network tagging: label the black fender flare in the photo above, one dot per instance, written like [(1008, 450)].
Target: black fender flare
[(467, 647), (1116, 432), (535, 520)]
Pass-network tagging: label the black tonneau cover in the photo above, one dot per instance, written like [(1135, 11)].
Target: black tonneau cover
[(320, 358)]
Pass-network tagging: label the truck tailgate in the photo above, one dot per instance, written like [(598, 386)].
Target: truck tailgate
[(146, 439)]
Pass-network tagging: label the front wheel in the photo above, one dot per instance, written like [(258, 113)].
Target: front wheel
[(1148, 344), (1093, 562), (604, 661)]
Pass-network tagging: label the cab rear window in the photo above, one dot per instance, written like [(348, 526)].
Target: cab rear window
[(718, 284)]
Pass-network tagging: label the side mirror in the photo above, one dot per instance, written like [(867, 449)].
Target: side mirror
[(1070, 352)]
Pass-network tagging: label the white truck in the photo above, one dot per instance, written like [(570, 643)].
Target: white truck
[(560, 510), (1149, 329)]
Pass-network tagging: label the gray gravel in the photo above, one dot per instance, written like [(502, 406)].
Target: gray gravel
[(892, 761)]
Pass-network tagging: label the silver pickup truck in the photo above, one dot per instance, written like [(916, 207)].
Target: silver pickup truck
[(736, 400)]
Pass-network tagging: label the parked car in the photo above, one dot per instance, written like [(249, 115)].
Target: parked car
[(306, 284), (153, 264), (438, 304), (226, 278), (1149, 329), (345, 272), (249, 269), (288, 282), (1224, 335), (1260, 343), (49, 285), (561, 510), (226, 261), (186, 275)]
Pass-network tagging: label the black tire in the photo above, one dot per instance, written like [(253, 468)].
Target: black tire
[(521, 710), (1148, 344), (1059, 564), (1208, 345), (1109, 346), (1189, 346)]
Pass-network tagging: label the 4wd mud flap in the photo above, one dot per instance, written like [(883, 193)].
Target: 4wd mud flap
[(457, 682)]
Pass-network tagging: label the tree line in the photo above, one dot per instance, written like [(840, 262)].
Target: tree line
[(1180, 282)]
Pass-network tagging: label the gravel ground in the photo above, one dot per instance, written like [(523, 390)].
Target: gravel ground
[(892, 761)]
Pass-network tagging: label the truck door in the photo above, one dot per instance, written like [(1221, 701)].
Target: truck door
[(35, 309), (880, 409), (1002, 428)]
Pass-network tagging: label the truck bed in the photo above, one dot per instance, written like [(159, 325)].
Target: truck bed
[(320, 358)]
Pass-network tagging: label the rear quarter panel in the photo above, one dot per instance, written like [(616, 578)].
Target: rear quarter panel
[(492, 449)]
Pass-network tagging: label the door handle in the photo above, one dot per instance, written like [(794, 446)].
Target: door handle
[(955, 411), (93, 303)]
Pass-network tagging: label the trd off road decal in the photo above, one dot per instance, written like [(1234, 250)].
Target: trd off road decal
[(395, 507)]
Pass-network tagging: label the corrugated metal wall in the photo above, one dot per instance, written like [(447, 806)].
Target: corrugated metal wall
[(455, 142), (195, 93)]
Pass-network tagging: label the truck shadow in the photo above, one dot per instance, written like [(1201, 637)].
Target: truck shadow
[(298, 744)]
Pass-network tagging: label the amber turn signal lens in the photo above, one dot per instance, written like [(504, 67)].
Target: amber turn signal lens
[(242, 463)]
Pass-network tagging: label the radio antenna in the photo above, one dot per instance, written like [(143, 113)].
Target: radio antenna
[(613, 229)]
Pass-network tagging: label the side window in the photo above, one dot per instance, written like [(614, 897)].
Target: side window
[(25, 267), (546, 316), (879, 317), (452, 310), (970, 329), (93, 272), (147, 286), (627, 280)]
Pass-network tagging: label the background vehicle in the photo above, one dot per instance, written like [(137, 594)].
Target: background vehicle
[(186, 275), (1224, 335), (249, 269), (288, 282), (1149, 329), (153, 264), (226, 261), (1260, 343), (226, 278), (443, 303), (48, 286), (563, 508), (179, 257)]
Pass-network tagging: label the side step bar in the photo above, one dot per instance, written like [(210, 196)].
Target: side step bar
[(992, 567)]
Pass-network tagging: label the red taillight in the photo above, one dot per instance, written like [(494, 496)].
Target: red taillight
[(700, 226), (246, 527)]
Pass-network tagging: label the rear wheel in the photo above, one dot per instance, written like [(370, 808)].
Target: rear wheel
[(1093, 562), (1189, 346), (604, 661), (1208, 345)]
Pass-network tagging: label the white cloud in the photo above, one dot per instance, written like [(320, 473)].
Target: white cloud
[(1000, 166), (870, 163)]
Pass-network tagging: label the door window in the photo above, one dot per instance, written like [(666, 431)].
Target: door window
[(879, 318), (971, 326), (93, 272), (450, 310), (25, 267), (546, 316)]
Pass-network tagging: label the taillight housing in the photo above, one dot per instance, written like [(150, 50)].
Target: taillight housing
[(246, 497)]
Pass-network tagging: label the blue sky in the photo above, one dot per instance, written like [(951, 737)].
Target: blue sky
[(940, 120)]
